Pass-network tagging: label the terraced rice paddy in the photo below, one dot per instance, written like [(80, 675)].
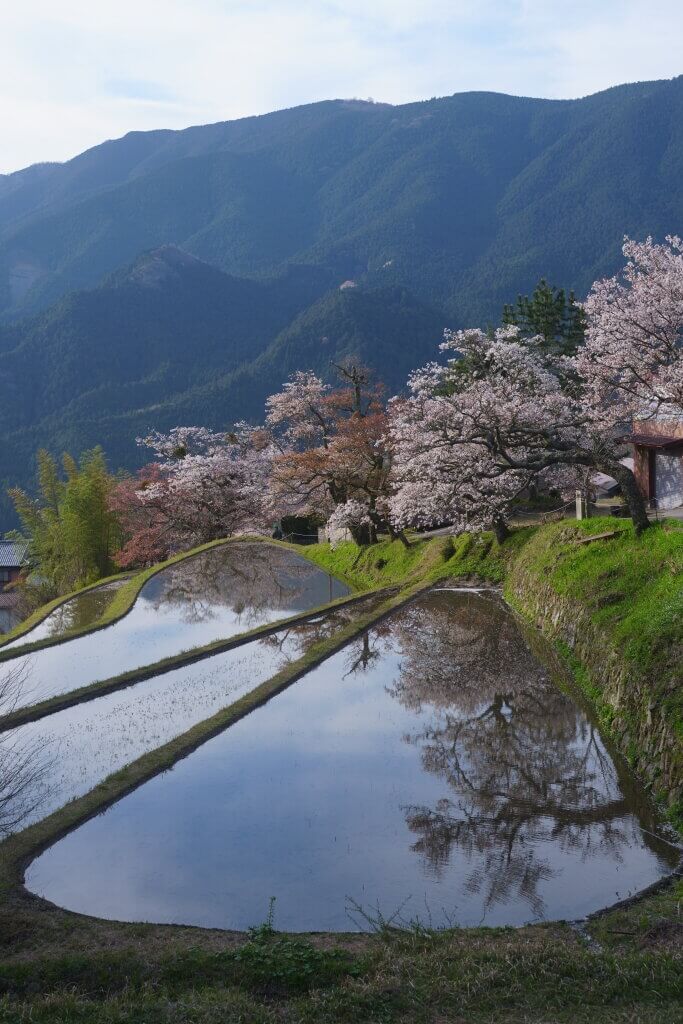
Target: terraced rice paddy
[(432, 769), (213, 595)]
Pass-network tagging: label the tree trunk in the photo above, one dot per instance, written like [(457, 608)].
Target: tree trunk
[(500, 529), (398, 535), (632, 496)]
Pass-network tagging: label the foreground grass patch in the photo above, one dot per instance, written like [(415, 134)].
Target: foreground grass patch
[(536, 974)]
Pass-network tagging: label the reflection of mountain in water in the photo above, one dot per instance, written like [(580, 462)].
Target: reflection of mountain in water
[(249, 579), (526, 770)]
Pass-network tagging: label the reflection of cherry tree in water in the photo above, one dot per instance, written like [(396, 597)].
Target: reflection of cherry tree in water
[(323, 627), (525, 766), (83, 610), (249, 580)]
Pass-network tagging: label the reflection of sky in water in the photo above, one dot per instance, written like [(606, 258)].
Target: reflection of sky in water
[(215, 595), (385, 774), (84, 744)]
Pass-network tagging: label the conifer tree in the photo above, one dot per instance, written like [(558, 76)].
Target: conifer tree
[(551, 314)]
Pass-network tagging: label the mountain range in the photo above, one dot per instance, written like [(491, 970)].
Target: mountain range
[(179, 276)]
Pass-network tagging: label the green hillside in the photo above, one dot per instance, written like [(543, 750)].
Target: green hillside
[(173, 340), (464, 200)]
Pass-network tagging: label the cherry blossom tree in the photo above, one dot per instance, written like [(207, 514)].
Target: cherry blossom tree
[(504, 411), (475, 431), (332, 451), (632, 362), (145, 526), (202, 486)]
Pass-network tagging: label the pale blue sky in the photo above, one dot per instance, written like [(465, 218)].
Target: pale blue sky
[(76, 72)]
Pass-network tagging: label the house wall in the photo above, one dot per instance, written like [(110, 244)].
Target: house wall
[(669, 479), (641, 469), (8, 576), (667, 485), (667, 427)]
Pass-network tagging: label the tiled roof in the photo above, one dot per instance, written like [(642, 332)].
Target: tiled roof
[(12, 554)]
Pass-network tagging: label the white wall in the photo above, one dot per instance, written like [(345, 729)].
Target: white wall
[(669, 479)]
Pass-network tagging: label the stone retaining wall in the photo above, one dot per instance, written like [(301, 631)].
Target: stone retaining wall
[(630, 706)]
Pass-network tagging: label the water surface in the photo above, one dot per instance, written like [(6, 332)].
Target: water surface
[(74, 749), (214, 595), (432, 766), (77, 613)]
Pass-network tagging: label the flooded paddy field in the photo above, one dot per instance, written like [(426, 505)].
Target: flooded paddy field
[(213, 595), (432, 768), (75, 749), (77, 613)]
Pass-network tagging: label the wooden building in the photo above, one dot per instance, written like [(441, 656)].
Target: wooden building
[(658, 461)]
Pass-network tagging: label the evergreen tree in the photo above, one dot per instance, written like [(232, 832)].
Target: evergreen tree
[(551, 313)]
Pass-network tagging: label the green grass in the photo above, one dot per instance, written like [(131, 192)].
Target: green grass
[(468, 556), (537, 974), (632, 586)]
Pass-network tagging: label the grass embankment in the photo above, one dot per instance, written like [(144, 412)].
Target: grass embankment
[(614, 608), (390, 563), (144, 974)]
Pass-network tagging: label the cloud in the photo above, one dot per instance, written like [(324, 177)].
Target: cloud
[(74, 73)]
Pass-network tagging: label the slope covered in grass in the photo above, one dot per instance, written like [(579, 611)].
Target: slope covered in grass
[(390, 562), (632, 587)]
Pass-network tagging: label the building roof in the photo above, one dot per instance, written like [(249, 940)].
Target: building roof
[(12, 554), (654, 440)]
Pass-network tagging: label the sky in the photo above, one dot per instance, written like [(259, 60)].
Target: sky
[(76, 72)]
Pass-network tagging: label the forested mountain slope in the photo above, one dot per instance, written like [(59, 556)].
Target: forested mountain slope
[(465, 200), (179, 277), (174, 340)]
